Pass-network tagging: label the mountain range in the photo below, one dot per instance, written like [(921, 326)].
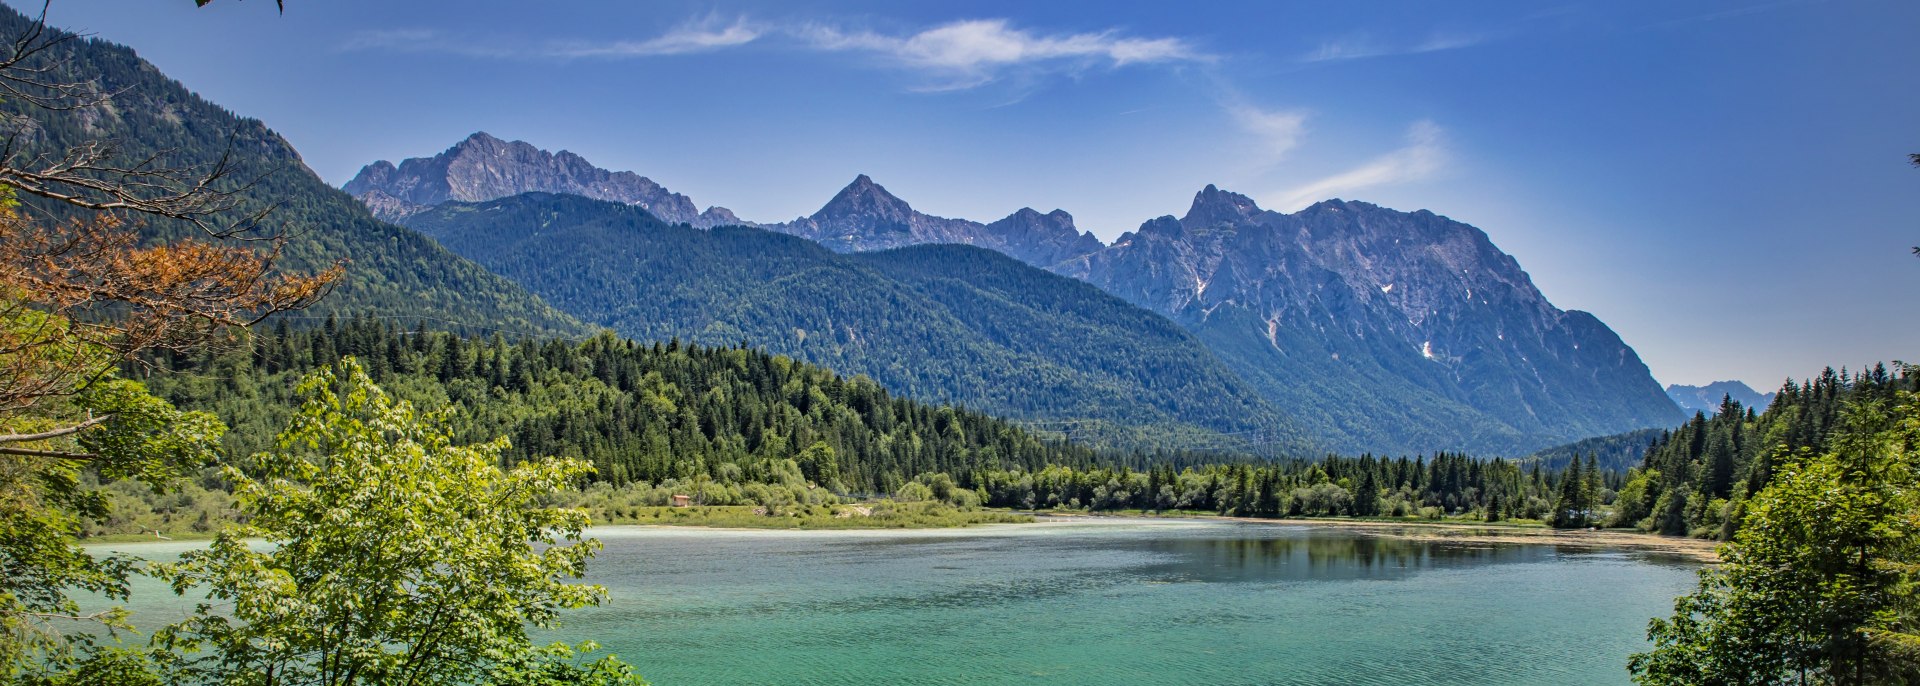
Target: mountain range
[(1707, 398), (861, 217), (1328, 307), (1366, 327), (948, 323), (1345, 326), (483, 168)]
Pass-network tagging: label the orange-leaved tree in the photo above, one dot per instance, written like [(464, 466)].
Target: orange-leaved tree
[(84, 295)]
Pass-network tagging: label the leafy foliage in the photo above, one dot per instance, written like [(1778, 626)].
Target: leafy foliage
[(45, 502), (394, 554), (637, 413), (1696, 480), (1817, 587), (1366, 486)]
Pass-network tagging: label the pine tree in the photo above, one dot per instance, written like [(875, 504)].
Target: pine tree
[(1366, 497)]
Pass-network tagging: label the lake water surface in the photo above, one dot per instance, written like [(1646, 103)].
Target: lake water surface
[(1110, 602)]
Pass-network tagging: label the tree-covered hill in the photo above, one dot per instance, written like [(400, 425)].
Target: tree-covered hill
[(941, 323), (1614, 453), (637, 411), (391, 271), (1697, 478), (721, 419)]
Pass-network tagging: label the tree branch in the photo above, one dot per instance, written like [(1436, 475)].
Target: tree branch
[(48, 453), (55, 433)]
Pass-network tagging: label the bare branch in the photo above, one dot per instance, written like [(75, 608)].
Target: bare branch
[(55, 433), (26, 77), (47, 453), (92, 175)]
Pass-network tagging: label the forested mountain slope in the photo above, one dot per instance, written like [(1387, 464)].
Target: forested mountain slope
[(941, 323), (1615, 453), (637, 411), (391, 271), (1696, 479)]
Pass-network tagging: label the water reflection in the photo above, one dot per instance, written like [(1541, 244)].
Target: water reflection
[(1275, 554)]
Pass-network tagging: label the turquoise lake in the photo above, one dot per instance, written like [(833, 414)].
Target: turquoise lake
[(1107, 602)]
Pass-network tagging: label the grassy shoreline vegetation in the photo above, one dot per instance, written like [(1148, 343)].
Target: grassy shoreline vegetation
[(880, 515)]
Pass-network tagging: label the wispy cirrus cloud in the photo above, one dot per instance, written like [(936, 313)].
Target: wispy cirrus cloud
[(952, 56), (1274, 132), (1361, 46), (965, 54), (1424, 155), (703, 34)]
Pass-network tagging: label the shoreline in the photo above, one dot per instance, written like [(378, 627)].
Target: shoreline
[(1698, 550)]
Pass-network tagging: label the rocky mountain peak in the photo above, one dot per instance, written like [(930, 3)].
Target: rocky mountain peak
[(1410, 300), (864, 199), (1212, 207), (482, 167), (1027, 219), (480, 140), (1709, 397), (371, 177)]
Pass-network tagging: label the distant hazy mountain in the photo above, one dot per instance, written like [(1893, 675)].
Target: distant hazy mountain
[(946, 323), (1357, 313), (1707, 398), (484, 168), (864, 216)]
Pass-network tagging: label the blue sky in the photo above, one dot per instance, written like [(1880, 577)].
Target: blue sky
[(1723, 183)]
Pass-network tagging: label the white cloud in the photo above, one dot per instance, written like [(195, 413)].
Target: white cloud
[(964, 54), (954, 56), (1276, 131), (387, 39), (695, 36), (1424, 154), (1362, 47), (700, 35)]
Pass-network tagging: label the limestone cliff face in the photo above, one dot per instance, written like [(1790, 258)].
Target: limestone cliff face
[(484, 168), (1345, 302)]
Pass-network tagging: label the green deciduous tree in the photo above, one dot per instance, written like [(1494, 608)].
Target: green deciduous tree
[(1817, 587), (392, 555), (44, 501)]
